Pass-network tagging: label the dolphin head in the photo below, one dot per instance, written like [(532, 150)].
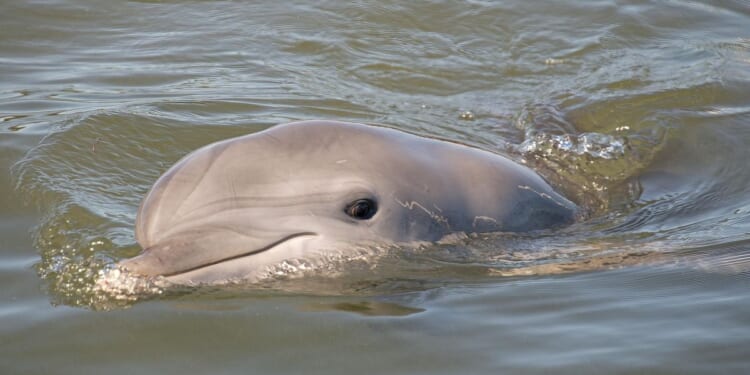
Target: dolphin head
[(230, 210)]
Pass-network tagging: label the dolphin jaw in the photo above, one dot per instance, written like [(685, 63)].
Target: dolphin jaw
[(159, 260)]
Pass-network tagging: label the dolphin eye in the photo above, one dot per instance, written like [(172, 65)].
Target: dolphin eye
[(362, 209)]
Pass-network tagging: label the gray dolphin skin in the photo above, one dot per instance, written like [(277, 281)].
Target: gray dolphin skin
[(232, 209)]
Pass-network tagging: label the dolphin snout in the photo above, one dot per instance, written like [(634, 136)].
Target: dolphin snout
[(155, 261), (184, 254)]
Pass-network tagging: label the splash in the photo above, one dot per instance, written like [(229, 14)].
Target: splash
[(114, 283), (597, 170)]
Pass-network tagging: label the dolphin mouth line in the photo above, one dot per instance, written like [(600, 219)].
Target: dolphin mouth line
[(243, 255)]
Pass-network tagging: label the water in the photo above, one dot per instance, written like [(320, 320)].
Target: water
[(638, 111)]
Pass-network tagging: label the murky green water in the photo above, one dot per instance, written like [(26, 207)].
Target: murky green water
[(638, 111)]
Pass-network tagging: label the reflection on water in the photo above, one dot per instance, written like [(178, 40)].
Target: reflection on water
[(637, 111)]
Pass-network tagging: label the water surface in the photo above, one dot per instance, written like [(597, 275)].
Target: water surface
[(638, 111)]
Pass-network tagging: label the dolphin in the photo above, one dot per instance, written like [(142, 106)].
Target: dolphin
[(232, 209)]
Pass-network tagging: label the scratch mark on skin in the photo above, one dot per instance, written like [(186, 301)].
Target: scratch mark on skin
[(273, 139), (543, 195), (342, 161), (410, 205), (483, 218), (234, 193)]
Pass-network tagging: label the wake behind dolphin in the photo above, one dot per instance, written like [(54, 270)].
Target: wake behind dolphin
[(232, 209)]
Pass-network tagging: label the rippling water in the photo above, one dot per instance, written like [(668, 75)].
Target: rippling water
[(638, 111)]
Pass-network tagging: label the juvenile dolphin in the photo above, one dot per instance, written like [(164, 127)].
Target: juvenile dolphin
[(230, 210)]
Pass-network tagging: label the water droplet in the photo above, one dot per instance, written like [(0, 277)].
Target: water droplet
[(551, 61), (466, 115)]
